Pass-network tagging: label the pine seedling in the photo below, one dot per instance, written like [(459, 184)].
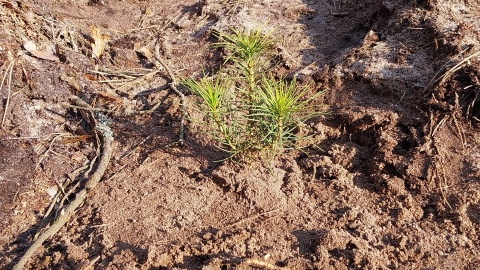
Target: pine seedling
[(281, 107), (248, 50), (213, 93), (261, 113)]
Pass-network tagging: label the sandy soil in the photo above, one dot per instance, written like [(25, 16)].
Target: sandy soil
[(391, 179)]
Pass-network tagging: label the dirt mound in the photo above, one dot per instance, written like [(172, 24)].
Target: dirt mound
[(390, 179)]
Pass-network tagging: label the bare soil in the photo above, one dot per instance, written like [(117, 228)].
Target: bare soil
[(390, 180)]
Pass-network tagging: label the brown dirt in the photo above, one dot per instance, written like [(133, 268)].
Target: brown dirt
[(395, 183)]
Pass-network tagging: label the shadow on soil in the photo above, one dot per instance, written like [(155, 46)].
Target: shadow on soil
[(307, 241), (334, 30)]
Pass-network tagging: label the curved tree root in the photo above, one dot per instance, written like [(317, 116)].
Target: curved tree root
[(107, 137)]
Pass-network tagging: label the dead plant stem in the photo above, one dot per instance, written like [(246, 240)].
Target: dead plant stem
[(8, 71)]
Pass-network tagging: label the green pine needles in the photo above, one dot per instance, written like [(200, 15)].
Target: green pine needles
[(247, 109)]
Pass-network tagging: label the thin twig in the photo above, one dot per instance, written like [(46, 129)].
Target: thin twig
[(441, 176), (90, 265), (60, 186), (90, 167), (115, 173), (102, 225), (15, 196), (252, 217), (459, 130), (21, 138), (117, 113), (136, 147), (173, 83), (440, 123), (49, 149), (445, 182), (9, 70), (165, 25), (62, 201)]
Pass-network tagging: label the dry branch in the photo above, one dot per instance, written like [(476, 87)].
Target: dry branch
[(107, 136)]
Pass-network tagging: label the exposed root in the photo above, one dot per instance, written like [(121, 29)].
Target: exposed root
[(65, 214)]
